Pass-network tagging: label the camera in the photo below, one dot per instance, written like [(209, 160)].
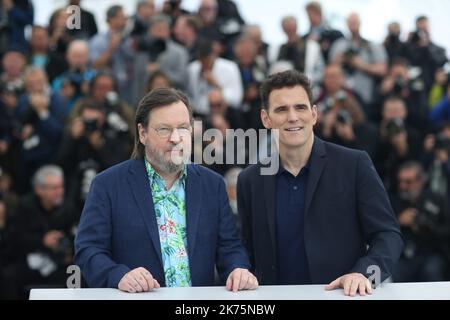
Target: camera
[(341, 95), (344, 117), (395, 126), (153, 47), (112, 100), (90, 125), (418, 35), (9, 88), (399, 85), (349, 54)]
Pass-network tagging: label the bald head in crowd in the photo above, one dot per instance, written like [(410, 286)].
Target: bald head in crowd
[(78, 55), (208, 11), (289, 25), (354, 23)]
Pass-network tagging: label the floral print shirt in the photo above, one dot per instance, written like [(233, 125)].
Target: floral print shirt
[(170, 210)]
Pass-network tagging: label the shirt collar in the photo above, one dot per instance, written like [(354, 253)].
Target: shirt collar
[(155, 176), (282, 169)]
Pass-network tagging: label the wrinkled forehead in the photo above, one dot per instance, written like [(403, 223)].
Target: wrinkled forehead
[(175, 114)]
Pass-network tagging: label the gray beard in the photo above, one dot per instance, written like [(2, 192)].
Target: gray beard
[(156, 157)]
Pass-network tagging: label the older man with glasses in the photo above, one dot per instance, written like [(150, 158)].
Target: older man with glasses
[(157, 221)]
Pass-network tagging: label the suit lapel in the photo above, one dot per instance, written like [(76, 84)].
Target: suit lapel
[(140, 186), (193, 206), (318, 161), (269, 183)]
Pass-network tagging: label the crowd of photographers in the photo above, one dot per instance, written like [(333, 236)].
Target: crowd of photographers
[(68, 96)]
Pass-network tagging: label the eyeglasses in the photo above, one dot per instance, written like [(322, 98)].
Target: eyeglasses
[(165, 132)]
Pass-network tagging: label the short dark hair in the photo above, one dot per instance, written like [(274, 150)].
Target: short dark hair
[(421, 18), (285, 79), (113, 11), (156, 98), (194, 23), (90, 104), (314, 6), (399, 61), (204, 48)]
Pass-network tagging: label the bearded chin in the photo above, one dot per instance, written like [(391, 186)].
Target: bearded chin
[(174, 165)]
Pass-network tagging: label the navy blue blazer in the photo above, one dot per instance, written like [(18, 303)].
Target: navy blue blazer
[(118, 230), (349, 223)]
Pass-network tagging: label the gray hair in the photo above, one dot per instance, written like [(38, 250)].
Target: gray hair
[(32, 70), (417, 166), (40, 177), (78, 43), (160, 18)]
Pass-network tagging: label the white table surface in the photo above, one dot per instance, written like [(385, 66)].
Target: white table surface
[(388, 291)]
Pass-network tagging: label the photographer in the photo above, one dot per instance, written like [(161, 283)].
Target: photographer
[(424, 219), (42, 56), (103, 92), (186, 32), (400, 82), (114, 50), (436, 161), (42, 114), (15, 16), (252, 75), (320, 30), (342, 119), (157, 51), (74, 83), (11, 79), (210, 71), (304, 54), (399, 142), (91, 145), (140, 22), (364, 62), (395, 47), (423, 53), (43, 233)]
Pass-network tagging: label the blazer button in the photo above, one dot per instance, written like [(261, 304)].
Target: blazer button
[(274, 268)]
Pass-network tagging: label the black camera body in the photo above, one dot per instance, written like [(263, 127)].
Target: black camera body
[(9, 88), (349, 54), (399, 85), (153, 47), (395, 126), (90, 125), (418, 35), (344, 117)]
